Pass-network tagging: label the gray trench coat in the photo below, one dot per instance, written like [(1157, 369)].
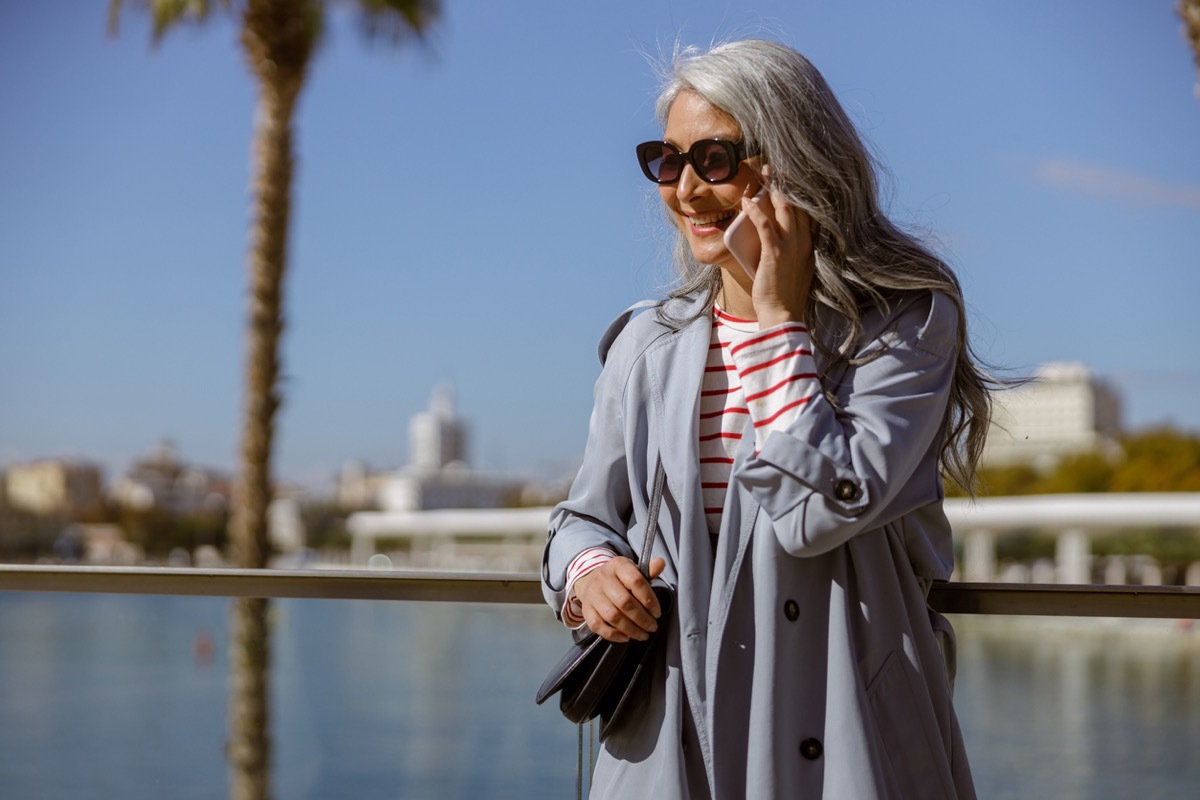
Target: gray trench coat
[(802, 659)]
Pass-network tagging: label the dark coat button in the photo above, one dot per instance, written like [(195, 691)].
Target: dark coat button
[(791, 610), (845, 491), (811, 749)]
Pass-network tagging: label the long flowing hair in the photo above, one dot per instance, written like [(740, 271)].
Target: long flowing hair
[(790, 116)]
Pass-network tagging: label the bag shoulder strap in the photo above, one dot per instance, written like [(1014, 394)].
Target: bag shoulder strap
[(652, 525)]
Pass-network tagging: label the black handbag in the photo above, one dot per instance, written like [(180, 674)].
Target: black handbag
[(596, 676)]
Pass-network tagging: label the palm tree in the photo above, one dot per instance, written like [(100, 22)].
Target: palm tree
[(278, 38), (1189, 12)]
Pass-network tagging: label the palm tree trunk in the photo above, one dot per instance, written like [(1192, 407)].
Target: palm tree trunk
[(249, 714)]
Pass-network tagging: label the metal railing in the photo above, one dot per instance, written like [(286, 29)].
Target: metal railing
[(1169, 602)]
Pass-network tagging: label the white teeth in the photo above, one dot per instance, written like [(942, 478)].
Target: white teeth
[(708, 219)]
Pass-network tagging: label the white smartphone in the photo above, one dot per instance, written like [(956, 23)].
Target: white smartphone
[(741, 239)]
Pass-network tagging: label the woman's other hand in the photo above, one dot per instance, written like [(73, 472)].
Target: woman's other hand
[(618, 603), (785, 268)]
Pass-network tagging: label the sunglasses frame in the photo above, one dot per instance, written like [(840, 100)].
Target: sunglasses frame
[(736, 149)]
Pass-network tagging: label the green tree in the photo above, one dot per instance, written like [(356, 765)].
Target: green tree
[(1155, 460), (278, 40), (1160, 460), (1082, 473)]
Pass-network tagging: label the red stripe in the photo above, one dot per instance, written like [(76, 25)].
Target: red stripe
[(766, 337), (722, 368), (716, 392), (719, 314), (713, 510), (784, 357), (789, 406), (721, 435), (724, 411), (724, 485), (718, 345), (781, 384), (716, 460)]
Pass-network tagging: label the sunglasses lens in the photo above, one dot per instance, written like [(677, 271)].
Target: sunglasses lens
[(660, 162), (713, 160)]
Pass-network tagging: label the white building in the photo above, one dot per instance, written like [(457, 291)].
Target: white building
[(437, 438), (437, 475), (1064, 410), (53, 486), (437, 512)]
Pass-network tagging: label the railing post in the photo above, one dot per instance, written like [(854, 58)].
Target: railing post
[(1115, 573), (979, 556), (1073, 557), (362, 547)]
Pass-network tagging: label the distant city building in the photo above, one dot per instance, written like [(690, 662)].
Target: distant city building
[(1064, 411), (438, 475), (97, 544), (437, 438), (161, 480), (53, 486), (358, 486)]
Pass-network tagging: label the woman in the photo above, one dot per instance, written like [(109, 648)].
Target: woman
[(802, 416)]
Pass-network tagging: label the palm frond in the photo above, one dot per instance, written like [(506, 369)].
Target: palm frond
[(167, 14), (397, 20), (1189, 12)]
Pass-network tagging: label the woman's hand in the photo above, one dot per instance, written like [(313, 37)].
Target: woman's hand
[(785, 268), (618, 603)]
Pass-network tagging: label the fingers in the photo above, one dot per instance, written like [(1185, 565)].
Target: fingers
[(784, 277), (618, 603)]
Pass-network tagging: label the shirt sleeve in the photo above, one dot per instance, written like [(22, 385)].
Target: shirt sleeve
[(778, 376), (585, 562)]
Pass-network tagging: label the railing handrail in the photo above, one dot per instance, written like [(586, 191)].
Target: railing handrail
[(1164, 602), (1095, 513)]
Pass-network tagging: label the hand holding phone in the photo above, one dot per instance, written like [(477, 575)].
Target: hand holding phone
[(741, 239)]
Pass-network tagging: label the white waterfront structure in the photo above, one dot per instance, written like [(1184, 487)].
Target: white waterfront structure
[(1073, 519), (1066, 409)]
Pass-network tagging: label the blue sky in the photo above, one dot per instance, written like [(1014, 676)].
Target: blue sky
[(472, 213)]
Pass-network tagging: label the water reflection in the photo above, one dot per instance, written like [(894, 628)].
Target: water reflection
[(1070, 708), (104, 696)]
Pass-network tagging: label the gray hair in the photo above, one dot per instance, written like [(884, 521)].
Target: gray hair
[(788, 114)]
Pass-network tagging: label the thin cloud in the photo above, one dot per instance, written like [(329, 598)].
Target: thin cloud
[(1106, 183)]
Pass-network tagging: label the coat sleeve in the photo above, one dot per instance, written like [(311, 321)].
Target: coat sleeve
[(599, 507), (836, 472)]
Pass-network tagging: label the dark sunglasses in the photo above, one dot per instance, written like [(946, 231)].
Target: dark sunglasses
[(714, 160)]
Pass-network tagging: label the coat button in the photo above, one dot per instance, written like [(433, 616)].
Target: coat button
[(791, 610), (845, 491), (811, 749)]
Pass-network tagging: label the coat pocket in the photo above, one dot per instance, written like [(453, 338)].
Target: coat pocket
[(913, 761)]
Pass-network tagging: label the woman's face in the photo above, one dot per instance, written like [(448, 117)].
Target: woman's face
[(703, 211)]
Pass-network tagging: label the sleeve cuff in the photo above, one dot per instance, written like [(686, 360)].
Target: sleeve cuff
[(585, 562)]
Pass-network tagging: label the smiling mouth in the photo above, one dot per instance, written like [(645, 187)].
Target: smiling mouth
[(716, 219)]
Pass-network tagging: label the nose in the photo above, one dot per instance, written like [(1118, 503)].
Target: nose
[(690, 185)]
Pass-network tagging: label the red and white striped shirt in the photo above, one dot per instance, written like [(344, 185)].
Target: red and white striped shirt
[(767, 377), (762, 376)]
